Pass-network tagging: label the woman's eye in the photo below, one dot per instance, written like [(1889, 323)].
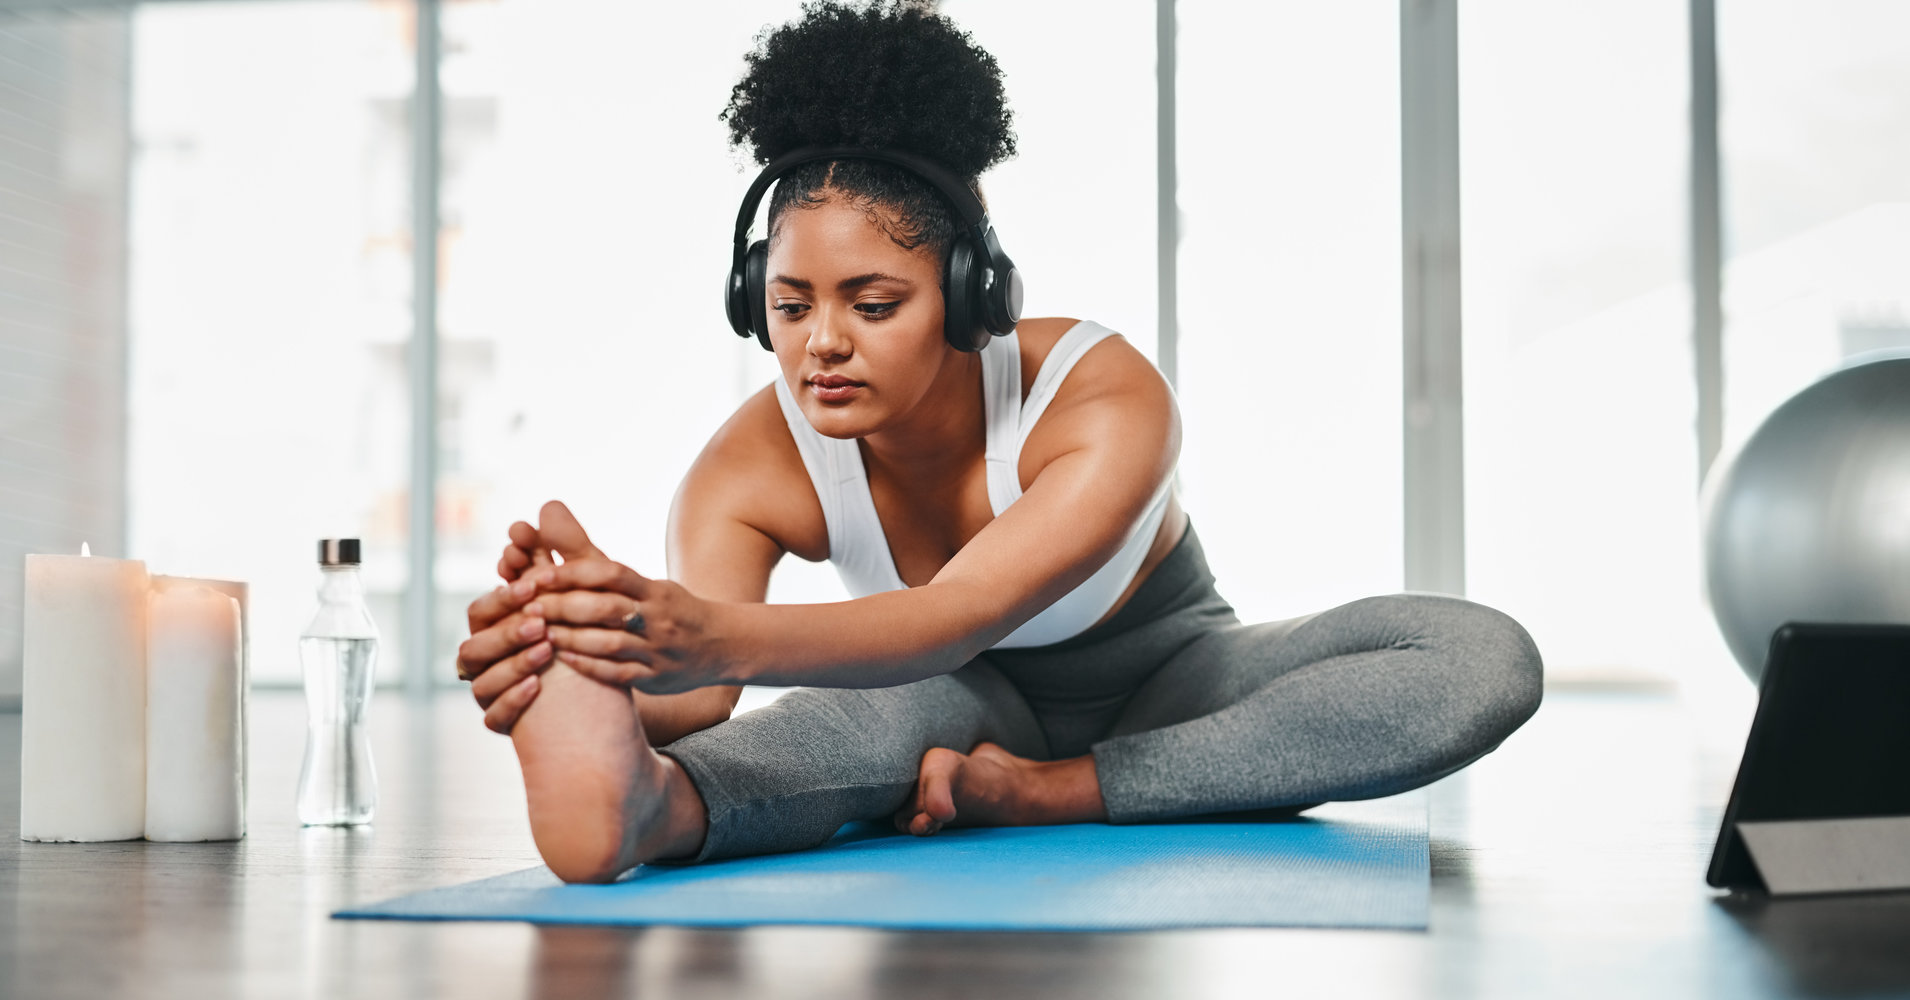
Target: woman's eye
[(876, 310), (791, 309)]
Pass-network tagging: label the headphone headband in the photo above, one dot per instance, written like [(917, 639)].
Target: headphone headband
[(981, 287), (973, 215)]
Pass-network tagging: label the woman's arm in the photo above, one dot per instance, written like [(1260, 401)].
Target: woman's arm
[(1105, 446), (714, 545), (722, 542)]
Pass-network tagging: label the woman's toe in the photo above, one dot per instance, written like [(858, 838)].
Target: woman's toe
[(937, 784)]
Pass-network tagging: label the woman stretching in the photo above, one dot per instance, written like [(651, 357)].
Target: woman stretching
[(1035, 636)]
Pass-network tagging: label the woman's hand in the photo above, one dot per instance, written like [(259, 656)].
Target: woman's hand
[(609, 622), (508, 646)]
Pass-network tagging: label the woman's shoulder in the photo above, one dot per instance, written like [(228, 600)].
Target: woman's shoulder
[(1113, 401), (1103, 368)]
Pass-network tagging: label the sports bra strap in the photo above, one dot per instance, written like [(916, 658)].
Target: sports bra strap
[(1061, 359), (1001, 404), (1010, 418), (857, 545)]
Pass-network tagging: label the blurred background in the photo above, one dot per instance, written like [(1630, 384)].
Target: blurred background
[(222, 337)]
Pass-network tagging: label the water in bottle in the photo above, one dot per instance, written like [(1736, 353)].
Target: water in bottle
[(339, 651)]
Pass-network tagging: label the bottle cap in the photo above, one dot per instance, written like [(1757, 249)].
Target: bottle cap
[(338, 552)]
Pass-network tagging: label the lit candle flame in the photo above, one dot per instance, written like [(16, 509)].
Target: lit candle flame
[(85, 550)]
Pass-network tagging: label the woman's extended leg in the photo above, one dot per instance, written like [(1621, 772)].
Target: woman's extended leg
[(784, 777), (1364, 700), (780, 778)]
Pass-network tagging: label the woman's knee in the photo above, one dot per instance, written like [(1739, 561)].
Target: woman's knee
[(1507, 658), (1500, 663), (1483, 655)]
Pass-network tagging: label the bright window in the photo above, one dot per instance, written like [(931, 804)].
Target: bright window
[(1581, 448), (1815, 135), (270, 271), (1290, 300)]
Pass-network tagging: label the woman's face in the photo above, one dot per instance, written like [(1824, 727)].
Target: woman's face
[(855, 319)]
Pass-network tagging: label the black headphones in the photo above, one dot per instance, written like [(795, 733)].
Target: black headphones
[(981, 290)]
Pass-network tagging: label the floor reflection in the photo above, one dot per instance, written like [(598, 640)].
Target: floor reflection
[(1851, 945), (584, 962)]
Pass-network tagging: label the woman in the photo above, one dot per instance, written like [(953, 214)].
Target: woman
[(1035, 638)]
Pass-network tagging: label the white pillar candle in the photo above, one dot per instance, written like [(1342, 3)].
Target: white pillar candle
[(195, 691), (83, 699), (240, 592)]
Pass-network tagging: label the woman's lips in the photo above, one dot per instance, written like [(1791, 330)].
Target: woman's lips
[(834, 388)]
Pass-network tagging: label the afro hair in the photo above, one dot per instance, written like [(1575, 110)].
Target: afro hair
[(890, 73)]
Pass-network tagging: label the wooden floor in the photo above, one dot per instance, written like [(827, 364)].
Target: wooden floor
[(1569, 863)]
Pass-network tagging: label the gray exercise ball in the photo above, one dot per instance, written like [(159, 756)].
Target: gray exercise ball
[(1810, 519)]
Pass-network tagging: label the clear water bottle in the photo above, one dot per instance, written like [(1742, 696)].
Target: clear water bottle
[(339, 650)]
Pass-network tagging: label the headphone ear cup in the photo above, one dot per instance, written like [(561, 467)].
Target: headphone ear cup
[(1001, 301), (961, 322), (756, 291), (736, 299), (1004, 300)]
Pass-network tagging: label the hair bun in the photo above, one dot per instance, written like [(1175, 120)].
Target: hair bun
[(890, 73)]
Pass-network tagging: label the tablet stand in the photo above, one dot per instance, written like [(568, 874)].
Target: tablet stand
[(1801, 856)]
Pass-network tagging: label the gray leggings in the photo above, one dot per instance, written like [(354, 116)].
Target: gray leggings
[(1185, 710)]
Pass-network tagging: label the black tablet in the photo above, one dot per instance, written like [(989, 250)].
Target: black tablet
[(1831, 738)]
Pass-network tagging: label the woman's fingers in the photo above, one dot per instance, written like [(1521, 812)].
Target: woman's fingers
[(504, 712), (603, 643), (509, 671), (509, 643), (600, 574), (621, 673), (508, 635), (586, 608), (491, 606)]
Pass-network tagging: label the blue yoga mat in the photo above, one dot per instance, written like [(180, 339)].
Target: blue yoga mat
[(1351, 864)]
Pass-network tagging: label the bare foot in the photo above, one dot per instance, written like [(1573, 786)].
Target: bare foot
[(601, 800), (989, 786)]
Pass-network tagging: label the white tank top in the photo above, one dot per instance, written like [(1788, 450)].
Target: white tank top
[(859, 548)]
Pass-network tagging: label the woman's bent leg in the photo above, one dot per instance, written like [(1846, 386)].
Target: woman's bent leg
[(1367, 699), (785, 776)]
